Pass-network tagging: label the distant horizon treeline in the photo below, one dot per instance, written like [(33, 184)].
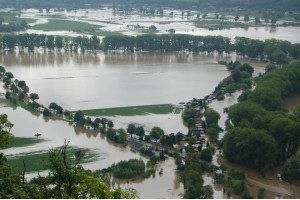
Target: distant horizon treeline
[(277, 51), (255, 5)]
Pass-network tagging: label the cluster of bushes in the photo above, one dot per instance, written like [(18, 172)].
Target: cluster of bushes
[(172, 139), (130, 169), (12, 26), (240, 78), (133, 130), (261, 133), (118, 136)]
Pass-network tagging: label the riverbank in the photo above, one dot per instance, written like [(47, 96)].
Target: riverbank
[(134, 110)]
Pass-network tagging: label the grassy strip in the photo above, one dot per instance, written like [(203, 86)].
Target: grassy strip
[(148, 31), (36, 160), (25, 106), (100, 32), (132, 110), (65, 25), (217, 24), (10, 17), (23, 141)]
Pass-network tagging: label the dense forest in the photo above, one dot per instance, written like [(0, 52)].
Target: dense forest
[(260, 134), (181, 4)]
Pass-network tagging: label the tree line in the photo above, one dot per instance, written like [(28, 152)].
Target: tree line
[(50, 42), (260, 133), (274, 50), (179, 4)]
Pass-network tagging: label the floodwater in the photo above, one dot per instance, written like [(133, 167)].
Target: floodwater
[(114, 80), (101, 80), (183, 25), (26, 124), (291, 102)]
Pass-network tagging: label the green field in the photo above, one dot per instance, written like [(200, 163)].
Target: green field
[(133, 110), (36, 160), (148, 31), (66, 25), (101, 33), (22, 141), (10, 17)]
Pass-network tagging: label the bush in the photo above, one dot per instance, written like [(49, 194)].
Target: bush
[(206, 155), (46, 112), (220, 97), (219, 178), (128, 169), (236, 174)]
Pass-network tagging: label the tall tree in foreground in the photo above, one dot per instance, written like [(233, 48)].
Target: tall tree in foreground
[(66, 178)]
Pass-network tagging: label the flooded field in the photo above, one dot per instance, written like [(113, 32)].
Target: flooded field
[(291, 102), (55, 131), (102, 80), (126, 24)]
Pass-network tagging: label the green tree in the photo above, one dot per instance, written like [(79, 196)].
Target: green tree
[(279, 57), (246, 18), (250, 147), (110, 124), (213, 134), (34, 96), (236, 18), (140, 131), (191, 122), (290, 171), (261, 193), (211, 116), (206, 155), (9, 75), (230, 88), (78, 115), (73, 181), (46, 112), (156, 133), (257, 20), (131, 129)]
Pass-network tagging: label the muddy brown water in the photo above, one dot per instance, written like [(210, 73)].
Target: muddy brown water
[(113, 80), (291, 102), (182, 25), (26, 124)]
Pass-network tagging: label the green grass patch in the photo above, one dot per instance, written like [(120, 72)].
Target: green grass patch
[(101, 33), (148, 31), (11, 17), (35, 161), (66, 25), (132, 110), (218, 24), (23, 141)]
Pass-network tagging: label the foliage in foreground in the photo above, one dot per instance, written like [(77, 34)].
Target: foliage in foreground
[(63, 180)]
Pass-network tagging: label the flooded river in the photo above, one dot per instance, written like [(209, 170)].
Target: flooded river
[(183, 25), (114, 80), (55, 131)]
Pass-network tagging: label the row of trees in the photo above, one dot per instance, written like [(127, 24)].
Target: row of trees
[(260, 133), (274, 50), (281, 5), (50, 42)]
